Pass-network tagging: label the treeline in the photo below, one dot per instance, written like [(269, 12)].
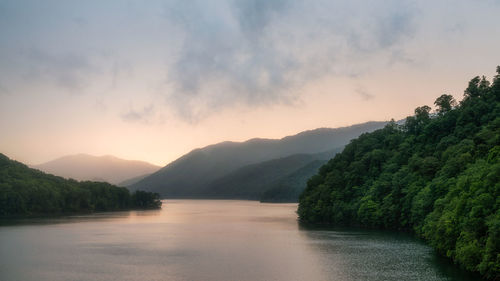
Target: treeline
[(26, 191), (437, 175)]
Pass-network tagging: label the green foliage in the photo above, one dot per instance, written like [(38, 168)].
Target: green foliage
[(25, 191), (146, 200), (437, 175), (445, 103)]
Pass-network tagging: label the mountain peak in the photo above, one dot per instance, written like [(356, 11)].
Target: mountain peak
[(108, 168)]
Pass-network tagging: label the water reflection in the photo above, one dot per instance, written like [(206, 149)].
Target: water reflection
[(208, 240), (355, 254), (134, 215)]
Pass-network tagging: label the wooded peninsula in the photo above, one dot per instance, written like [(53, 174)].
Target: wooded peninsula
[(25, 191), (437, 175)]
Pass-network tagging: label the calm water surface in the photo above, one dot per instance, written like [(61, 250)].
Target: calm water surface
[(210, 240)]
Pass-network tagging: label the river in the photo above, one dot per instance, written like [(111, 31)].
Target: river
[(210, 240)]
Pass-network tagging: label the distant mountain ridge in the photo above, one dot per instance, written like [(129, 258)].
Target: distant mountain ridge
[(131, 181), (191, 175), (97, 168), (289, 187), (252, 181)]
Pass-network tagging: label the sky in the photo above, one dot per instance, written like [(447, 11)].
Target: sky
[(152, 80)]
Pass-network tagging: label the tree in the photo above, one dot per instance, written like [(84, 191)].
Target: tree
[(422, 113), (473, 88), (445, 103)]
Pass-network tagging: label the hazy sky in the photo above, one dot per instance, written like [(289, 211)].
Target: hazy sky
[(151, 80)]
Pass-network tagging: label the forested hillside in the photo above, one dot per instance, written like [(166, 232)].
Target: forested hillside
[(26, 191), (191, 175), (252, 181), (289, 188), (437, 175)]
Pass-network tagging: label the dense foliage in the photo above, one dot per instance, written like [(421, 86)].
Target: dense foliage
[(25, 191), (437, 175)]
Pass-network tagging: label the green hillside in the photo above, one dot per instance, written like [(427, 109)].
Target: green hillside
[(192, 175), (289, 187), (251, 181), (26, 191), (437, 175)]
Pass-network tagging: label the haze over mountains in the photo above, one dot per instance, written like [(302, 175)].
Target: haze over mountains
[(252, 181), (97, 168), (222, 170), (289, 188)]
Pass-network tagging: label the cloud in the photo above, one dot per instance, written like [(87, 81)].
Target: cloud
[(364, 94), (139, 115), (207, 55), (65, 71), (258, 53), (69, 71)]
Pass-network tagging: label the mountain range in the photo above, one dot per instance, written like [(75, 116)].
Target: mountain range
[(246, 170), (97, 168), (251, 181)]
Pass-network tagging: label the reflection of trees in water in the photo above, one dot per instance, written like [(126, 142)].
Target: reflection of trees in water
[(347, 254)]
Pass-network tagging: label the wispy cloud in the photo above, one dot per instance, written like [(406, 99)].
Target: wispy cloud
[(142, 115), (70, 71), (363, 93), (262, 52)]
